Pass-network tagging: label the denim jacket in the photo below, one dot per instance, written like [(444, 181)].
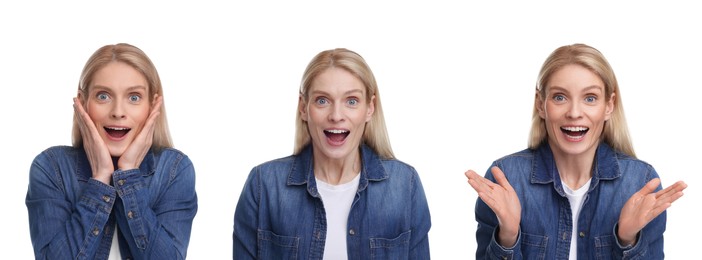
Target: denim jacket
[(72, 215), (280, 214), (546, 220)]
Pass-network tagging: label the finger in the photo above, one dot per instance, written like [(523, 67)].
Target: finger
[(669, 197), (671, 194), (490, 198), (472, 175), (81, 116), (677, 186), (478, 183), (650, 187), (656, 211), (670, 190), (500, 178), (155, 112), (680, 185), (489, 201), (158, 102)]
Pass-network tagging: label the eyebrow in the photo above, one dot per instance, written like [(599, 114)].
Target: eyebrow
[(129, 89), (588, 88), (345, 93)]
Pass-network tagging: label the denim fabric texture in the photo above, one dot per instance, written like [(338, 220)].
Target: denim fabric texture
[(546, 221), (72, 216), (280, 214)]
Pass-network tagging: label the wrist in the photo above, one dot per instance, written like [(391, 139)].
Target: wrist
[(507, 239), (626, 240)]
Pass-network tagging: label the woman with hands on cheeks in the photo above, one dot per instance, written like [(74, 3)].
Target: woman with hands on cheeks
[(578, 191), (121, 191), (342, 194)]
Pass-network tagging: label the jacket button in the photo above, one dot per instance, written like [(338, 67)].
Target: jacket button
[(96, 231), (120, 182), (106, 198), (352, 232), (130, 214), (582, 234)]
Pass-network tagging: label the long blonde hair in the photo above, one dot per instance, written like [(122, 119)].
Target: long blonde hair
[(616, 132), (375, 134), (137, 59)]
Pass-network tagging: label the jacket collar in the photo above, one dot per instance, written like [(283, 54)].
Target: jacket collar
[(302, 171), (605, 167)]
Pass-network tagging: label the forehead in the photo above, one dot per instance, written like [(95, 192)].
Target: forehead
[(336, 80), (575, 77), (118, 75)]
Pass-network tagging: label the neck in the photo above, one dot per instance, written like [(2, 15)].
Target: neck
[(575, 170), (337, 171)]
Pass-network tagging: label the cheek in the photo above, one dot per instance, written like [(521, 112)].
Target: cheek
[(314, 115), (141, 114), (94, 111)]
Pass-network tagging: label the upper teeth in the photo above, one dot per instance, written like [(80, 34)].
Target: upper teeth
[(336, 131), (118, 128), (575, 128)]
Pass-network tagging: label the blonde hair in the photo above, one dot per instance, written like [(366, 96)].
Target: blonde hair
[(375, 134), (137, 59), (616, 132)]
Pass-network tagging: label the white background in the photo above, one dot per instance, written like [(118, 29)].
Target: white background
[(456, 82)]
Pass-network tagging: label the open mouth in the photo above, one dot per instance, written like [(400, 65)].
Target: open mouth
[(575, 131), (117, 132), (336, 135)]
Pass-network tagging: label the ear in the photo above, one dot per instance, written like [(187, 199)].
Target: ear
[(371, 109), (539, 104), (610, 106), (302, 108)]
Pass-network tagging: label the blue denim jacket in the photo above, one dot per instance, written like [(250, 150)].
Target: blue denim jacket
[(72, 216), (546, 224), (280, 214)]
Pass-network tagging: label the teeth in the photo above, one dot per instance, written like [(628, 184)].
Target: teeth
[(575, 128), (336, 131), (117, 128)]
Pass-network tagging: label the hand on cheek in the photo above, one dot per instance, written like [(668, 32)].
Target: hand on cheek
[(134, 154), (95, 148)]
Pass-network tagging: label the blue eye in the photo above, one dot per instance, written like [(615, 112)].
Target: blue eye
[(134, 98), (321, 101), (102, 96), (590, 99), (559, 98), (352, 101)]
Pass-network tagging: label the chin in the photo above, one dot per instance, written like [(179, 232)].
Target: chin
[(338, 153), (116, 152)]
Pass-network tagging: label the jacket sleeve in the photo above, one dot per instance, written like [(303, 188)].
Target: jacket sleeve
[(421, 222), (649, 244), (59, 227), (488, 248), (246, 219), (159, 227)]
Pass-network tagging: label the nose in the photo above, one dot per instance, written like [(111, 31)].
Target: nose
[(574, 110), (336, 113), (117, 111)]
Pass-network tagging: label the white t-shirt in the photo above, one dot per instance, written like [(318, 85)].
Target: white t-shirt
[(575, 197), (114, 249), (337, 200)]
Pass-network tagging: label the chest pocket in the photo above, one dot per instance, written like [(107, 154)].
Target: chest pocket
[(273, 246), (392, 248), (534, 246), (603, 247)]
